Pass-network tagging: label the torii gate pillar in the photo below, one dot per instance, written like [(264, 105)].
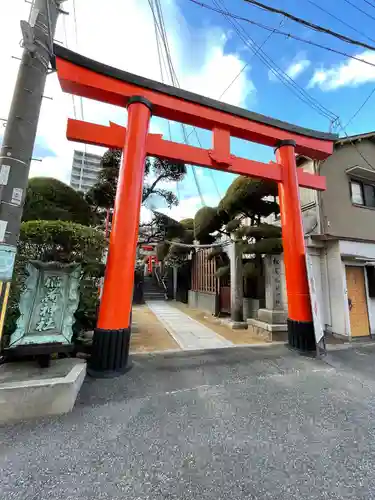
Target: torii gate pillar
[(300, 321), (112, 336)]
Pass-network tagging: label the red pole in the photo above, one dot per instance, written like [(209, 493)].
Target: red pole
[(112, 336), (300, 324)]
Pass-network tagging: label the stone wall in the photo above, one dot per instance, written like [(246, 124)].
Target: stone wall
[(208, 302)]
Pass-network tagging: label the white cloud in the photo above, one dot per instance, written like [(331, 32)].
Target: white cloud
[(188, 208), (126, 41), (272, 76), (294, 68), (217, 73), (52, 166), (349, 73)]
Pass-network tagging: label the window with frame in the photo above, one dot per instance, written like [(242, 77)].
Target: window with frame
[(362, 193)]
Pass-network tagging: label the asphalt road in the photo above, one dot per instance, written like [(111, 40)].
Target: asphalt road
[(242, 423)]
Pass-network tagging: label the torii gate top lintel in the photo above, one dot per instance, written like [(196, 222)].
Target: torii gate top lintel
[(85, 77)]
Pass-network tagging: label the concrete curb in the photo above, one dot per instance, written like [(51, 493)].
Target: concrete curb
[(214, 350), (349, 345)]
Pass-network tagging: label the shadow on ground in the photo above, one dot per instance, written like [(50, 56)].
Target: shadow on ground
[(240, 423)]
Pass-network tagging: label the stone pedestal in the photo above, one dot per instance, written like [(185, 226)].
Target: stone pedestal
[(273, 317), (252, 306)]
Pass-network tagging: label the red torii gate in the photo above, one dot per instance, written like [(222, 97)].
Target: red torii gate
[(143, 97)]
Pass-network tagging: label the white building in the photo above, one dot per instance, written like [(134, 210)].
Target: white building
[(85, 170)]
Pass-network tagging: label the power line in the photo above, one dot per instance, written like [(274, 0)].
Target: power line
[(340, 20), (355, 146), (160, 55), (161, 63), (244, 67), (176, 83), (160, 26), (76, 37), (247, 64), (275, 69), (369, 3), (280, 32), (210, 171), (67, 46), (361, 106), (211, 174), (357, 8), (84, 155), (75, 21), (308, 24), (234, 79), (193, 245)]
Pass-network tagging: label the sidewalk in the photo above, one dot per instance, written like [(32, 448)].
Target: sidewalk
[(148, 334), (187, 332), (236, 337)]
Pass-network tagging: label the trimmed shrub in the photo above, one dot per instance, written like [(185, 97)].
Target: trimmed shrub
[(50, 199)]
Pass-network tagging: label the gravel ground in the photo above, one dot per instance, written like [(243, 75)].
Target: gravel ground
[(240, 423)]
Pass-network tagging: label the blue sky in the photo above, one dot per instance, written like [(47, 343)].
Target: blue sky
[(340, 93), (275, 99), (207, 54)]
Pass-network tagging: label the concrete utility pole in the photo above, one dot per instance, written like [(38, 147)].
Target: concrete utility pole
[(18, 142)]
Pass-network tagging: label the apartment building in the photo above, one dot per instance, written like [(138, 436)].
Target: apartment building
[(85, 170)]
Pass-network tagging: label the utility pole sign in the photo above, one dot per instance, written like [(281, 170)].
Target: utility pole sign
[(20, 131)]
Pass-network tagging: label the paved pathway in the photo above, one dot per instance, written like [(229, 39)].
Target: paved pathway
[(188, 333)]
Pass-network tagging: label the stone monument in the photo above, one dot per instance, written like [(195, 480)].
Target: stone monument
[(48, 301), (273, 318)]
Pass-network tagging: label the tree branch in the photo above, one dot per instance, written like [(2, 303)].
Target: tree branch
[(151, 188)]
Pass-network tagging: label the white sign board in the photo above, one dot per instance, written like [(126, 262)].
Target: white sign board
[(318, 329), (17, 194), (3, 228), (4, 174)]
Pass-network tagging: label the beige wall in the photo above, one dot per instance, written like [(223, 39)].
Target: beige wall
[(307, 196), (309, 201), (336, 281), (340, 217)]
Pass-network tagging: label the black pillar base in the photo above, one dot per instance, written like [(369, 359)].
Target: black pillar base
[(110, 353), (301, 335)]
